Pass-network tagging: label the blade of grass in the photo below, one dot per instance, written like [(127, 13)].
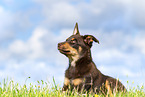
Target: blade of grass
[(55, 84)]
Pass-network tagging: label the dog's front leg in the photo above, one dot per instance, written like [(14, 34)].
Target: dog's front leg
[(64, 88), (66, 84)]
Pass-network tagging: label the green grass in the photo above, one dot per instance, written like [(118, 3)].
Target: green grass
[(45, 89)]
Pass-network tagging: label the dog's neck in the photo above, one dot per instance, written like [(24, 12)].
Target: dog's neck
[(76, 60), (73, 59)]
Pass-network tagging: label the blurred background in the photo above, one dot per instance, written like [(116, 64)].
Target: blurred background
[(31, 29)]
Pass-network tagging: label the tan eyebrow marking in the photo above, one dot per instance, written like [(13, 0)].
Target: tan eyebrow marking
[(72, 39)]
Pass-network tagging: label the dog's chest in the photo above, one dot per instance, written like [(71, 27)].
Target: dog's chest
[(73, 73), (74, 77)]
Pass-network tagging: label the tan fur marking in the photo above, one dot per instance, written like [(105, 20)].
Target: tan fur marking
[(77, 81), (89, 37), (75, 58), (66, 81), (80, 49), (91, 40), (73, 52), (109, 91), (73, 39)]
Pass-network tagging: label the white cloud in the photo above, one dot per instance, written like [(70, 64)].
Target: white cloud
[(63, 12), (139, 42), (5, 24), (19, 72), (41, 45), (33, 48), (130, 73), (138, 13), (60, 14), (1, 9), (108, 15), (18, 47), (30, 52)]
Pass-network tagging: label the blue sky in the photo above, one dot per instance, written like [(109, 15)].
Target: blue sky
[(31, 29)]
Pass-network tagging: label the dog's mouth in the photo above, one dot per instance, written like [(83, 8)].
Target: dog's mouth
[(64, 51)]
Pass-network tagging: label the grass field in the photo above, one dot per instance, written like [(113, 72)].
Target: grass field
[(45, 89)]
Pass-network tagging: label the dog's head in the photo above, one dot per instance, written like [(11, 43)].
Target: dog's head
[(76, 45)]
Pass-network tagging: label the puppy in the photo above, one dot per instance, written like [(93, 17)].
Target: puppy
[(82, 73)]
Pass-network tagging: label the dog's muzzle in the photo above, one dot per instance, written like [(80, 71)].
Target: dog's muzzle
[(62, 48)]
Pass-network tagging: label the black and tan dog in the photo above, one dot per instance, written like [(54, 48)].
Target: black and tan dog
[(82, 72)]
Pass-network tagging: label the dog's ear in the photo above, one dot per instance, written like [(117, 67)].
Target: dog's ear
[(88, 39), (76, 30)]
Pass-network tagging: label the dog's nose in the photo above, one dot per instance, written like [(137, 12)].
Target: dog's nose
[(60, 44)]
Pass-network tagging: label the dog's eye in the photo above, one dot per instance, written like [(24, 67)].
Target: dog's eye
[(73, 41)]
